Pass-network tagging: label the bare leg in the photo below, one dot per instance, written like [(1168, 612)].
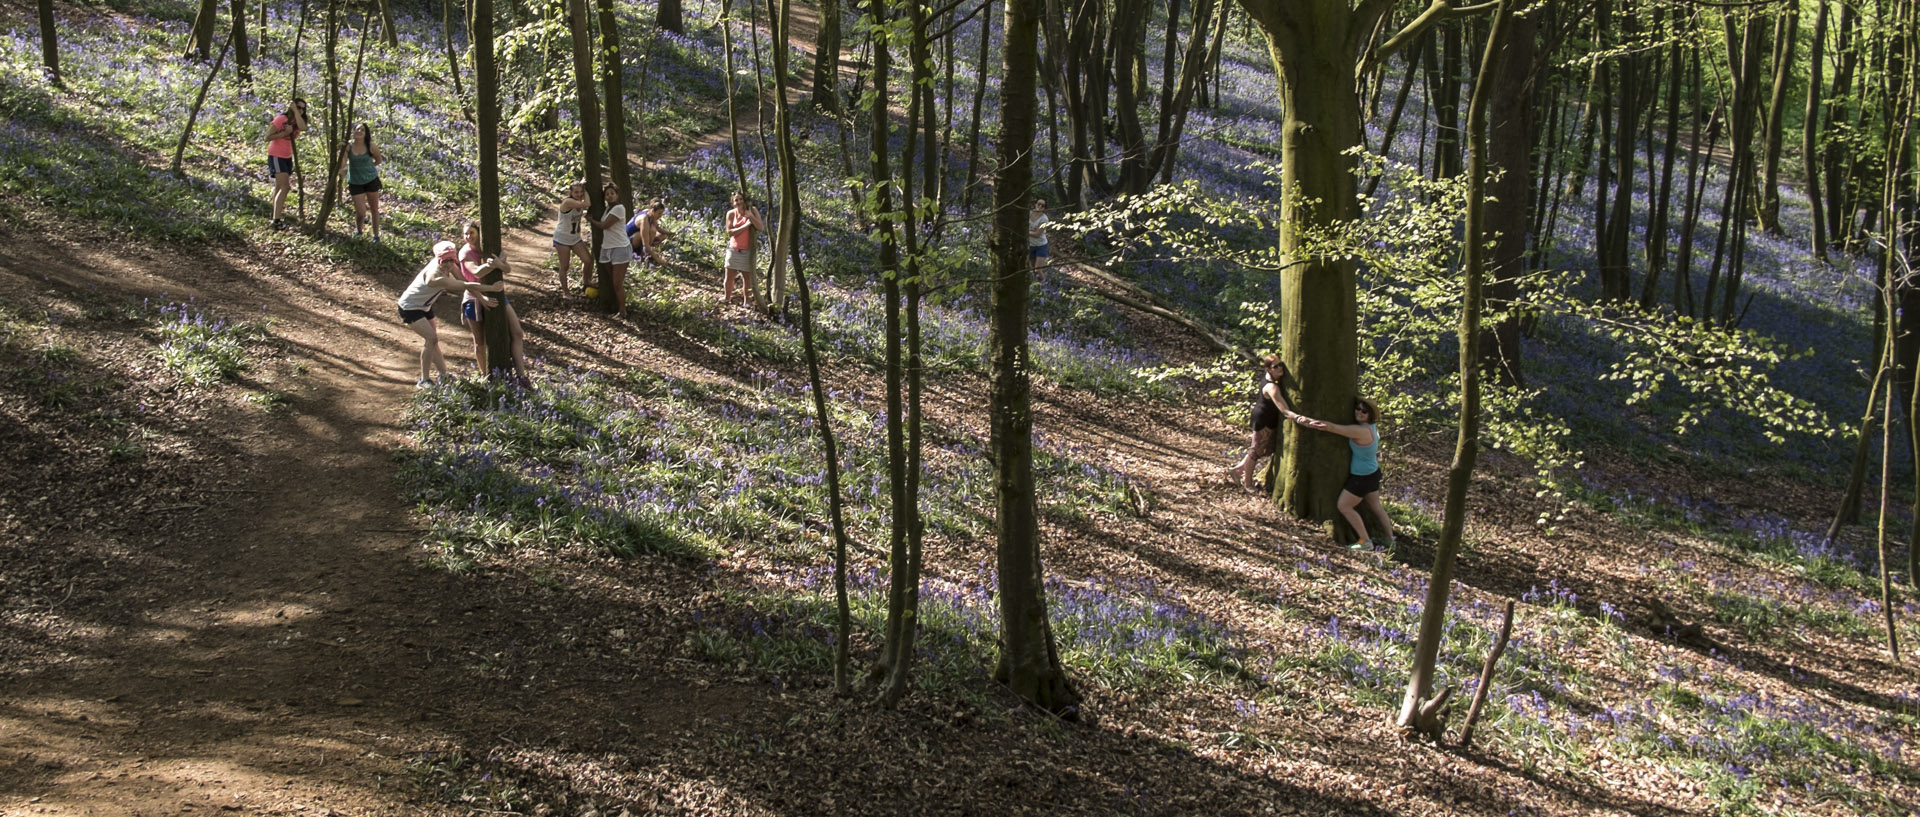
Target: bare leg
[(1380, 514), (479, 344), (282, 182), (562, 259), (617, 278), (359, 212), (519, 341), (1347, 504), (430, 357), (1260, 445), (373, 209)]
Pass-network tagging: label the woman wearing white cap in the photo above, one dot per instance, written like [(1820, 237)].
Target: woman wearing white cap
[(441, 274)]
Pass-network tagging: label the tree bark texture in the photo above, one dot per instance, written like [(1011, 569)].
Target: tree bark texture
[(1029, 662), (616, 115), (49, 42)]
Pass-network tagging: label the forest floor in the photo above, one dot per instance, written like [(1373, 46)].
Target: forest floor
[(215, 598), (238, 614)]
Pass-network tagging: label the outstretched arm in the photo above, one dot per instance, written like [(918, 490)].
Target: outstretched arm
[(1358, 433)]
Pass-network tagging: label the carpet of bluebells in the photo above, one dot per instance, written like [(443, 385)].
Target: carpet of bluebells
[(643, 465)]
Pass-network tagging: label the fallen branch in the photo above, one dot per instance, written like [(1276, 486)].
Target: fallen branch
[(1486, 677), (1147, 302)]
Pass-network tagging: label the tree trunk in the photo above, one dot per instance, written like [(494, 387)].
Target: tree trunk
[(1786, 33), (242, 61), (1029, 663), (826, 58), (589, 105), (193, 113), (446, 38), (1510, 117), (1421, 710), (671, 17), (200, 36), (49, 43), (974, 163), (733, 116), (904, 362), (1662, 213), (486, 90), (610, 64), (1810, 133), (338, 135)]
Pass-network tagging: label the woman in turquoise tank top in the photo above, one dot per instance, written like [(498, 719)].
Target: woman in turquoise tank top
[(1363, 471), (362, 166)]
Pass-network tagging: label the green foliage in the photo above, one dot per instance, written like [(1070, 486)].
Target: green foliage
[(204, 350)]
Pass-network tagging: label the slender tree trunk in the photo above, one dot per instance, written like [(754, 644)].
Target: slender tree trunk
[(1393, 124), (1838, 155), (446, 38), (1663, 198), (1786, 34), (1029, 663), (49, 43), (339, 131), (610, 65), (826, 58), (1810, 132), (733, 116), (242, 61), (1421, 710), (588, 103), (975, 162), (193, 113)]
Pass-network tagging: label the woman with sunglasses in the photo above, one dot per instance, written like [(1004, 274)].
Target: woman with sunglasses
[(1363, 470), (1267, 407)]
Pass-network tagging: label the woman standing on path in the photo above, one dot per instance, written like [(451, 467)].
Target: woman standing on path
[(568, 243), (1268, 405), (441, 274), (742, 220), (1363, 471), (615, 252), (280, 135), (362, 165)]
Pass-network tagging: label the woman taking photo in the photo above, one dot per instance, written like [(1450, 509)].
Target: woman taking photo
[(1363, 470)]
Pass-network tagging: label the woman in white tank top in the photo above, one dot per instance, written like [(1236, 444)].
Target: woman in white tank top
[(568, 241)]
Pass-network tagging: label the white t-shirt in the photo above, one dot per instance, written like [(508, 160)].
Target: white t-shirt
[(566, 228), (419, 297), (616, 235), (1038, 222)]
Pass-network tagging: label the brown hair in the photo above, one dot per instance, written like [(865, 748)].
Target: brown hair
[(1373, 411)]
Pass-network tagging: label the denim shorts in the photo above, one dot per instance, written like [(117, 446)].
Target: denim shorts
[(1042, 251)]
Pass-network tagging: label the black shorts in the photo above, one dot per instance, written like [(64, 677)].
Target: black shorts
[(410, 315), (369, 187), (1363, 484), (277, 165)]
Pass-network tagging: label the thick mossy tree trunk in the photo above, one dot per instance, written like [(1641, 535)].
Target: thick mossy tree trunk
[(1029, 662), (1313, 58)]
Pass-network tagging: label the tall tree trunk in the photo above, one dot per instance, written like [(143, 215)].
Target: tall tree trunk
[(486, 90), (1661, 217), (733, 116), (588, 103), (1786, 34), (1616, 260), (671, 18), (1810, 132), (1510, 114), (446, 39), (906, 557), (242, 61), (1420, 709), (200, 36), (974, 160), (1029, 663), (340, 131), (1839, 152), (610, 69), (49, 42), (826, 58)]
